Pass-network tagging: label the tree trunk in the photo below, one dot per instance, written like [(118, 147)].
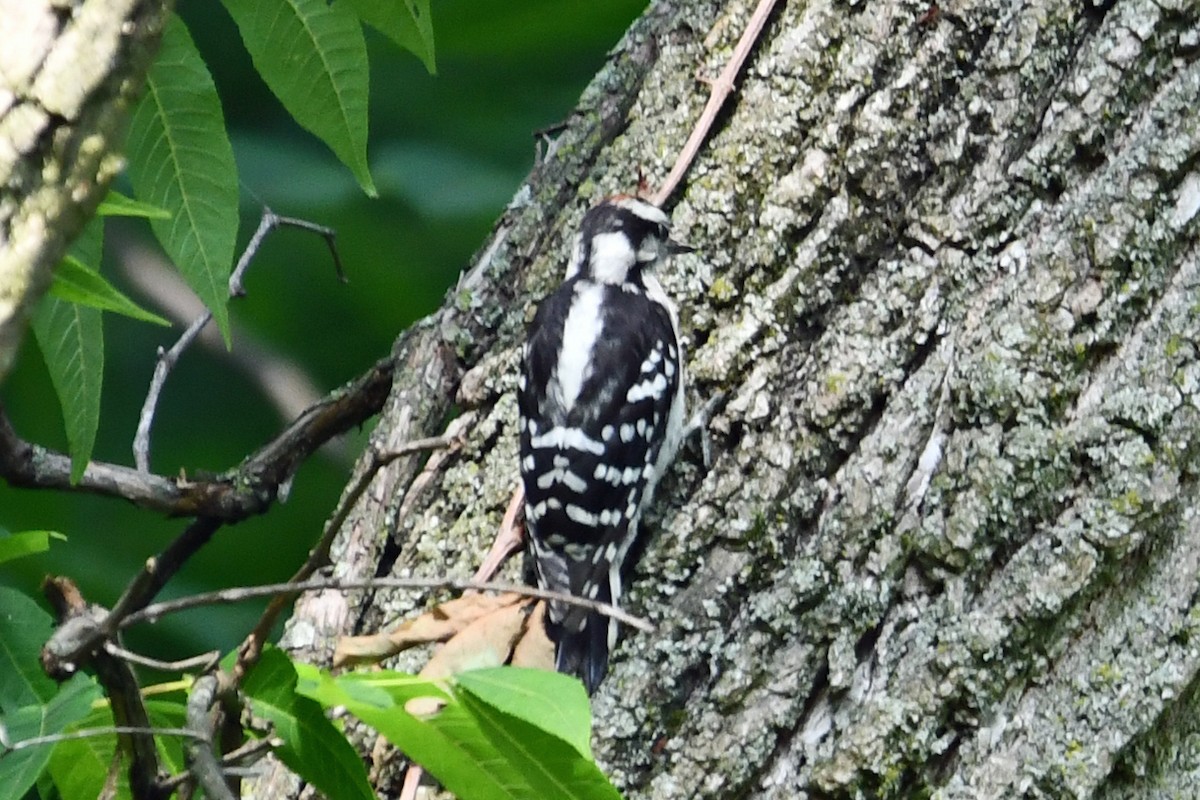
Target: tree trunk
[(69, 72), (947, 282)]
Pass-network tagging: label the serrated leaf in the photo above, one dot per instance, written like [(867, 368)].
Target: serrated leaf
[(24, 628), (71, 338), (116, 204), (471, 747), (406, 22), (313, 747), (76, 282), (556, 703), (25, 543), (313, 57), (180, 160), (549, 765), (19, 770), (80, 767)]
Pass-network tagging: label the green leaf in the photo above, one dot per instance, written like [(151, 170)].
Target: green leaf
[(25, 543), (76, 282), (312, 56), (550, 766), (556, 703), (180, 159), (80, 767), (88, 247), (312, 746), (19, 770), (24, 628), (408, 24), (477, 751), (71, 338), (169, 714), (116, 204)]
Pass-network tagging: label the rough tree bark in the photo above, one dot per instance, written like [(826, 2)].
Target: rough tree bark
[(949, 543), (69, 72)]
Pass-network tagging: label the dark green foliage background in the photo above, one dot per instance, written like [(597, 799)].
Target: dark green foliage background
[(447, 152)]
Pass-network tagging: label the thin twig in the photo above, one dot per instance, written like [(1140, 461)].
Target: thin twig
[(377, 461), (509, 538), (201, 663), (167, 359), (158, 570), (250, 752), (152, 613), (318, 557), (326, 233), (719, 91), (279, 378), (162, 368), (90, 733)]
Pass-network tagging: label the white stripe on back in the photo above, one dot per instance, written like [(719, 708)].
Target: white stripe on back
[(582, 328)]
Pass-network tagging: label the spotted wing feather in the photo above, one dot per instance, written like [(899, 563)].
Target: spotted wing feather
[(585, 464)]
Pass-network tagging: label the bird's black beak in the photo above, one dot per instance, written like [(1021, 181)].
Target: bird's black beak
[(675, 248)]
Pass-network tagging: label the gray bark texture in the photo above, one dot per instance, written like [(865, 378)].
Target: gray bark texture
[(69, 72), (949, 542)]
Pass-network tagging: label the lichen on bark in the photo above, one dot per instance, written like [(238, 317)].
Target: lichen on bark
[(69, 72), (946, 281)]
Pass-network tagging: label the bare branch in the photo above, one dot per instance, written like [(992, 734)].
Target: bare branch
[(79, 638), (31, 466), (248, 753), (153, 613), (167, 360), (160, 569), (279, 378), (243, 492), (81, 626), (202, 719)]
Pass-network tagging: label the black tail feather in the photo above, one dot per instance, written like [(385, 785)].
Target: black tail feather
[(583, 653)]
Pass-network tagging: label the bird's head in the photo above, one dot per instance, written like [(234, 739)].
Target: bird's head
[(619, 238)]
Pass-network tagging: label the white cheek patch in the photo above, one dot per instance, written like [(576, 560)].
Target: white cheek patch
[(612, 256)]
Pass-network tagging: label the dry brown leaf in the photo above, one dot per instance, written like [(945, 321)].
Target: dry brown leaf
[(440, 623), (535, 648), (486, 642)]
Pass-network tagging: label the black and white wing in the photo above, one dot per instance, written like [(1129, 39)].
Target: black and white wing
[(599, 397)]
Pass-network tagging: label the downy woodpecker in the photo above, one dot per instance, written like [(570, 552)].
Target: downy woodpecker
[(601, 397)]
